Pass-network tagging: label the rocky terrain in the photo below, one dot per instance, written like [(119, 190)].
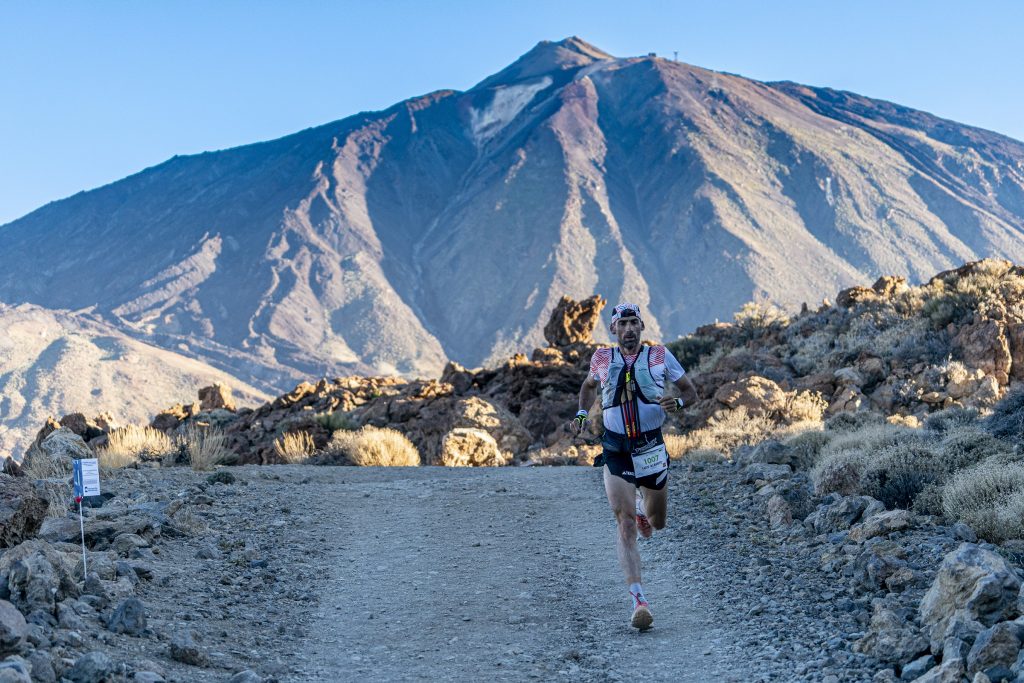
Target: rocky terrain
[(847, 504), (379, 243), (321, 573)]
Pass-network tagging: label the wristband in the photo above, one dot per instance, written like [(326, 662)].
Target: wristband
[(581, 413), (680, 403)]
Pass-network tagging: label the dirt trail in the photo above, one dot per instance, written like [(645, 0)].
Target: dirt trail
[(360, 574), (505, 573)]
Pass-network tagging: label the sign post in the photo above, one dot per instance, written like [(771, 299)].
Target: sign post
[(87, 483)]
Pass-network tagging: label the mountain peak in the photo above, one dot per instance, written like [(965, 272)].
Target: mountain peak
[(547, 57)]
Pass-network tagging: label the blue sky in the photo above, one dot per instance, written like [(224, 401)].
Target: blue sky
[(93, 91)]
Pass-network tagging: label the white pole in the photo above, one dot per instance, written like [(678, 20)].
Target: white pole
[(81, 523)]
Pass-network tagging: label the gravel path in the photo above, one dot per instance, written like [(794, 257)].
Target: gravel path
[(337, 574)]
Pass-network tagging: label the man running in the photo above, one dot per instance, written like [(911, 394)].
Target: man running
[(632, 379)]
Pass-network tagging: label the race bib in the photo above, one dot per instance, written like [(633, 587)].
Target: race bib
[(650, 459)]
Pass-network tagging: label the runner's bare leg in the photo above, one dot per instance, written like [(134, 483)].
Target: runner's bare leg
[(622, 498), (656, 505)]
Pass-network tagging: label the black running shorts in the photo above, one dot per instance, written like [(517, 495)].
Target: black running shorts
[(616, 457)]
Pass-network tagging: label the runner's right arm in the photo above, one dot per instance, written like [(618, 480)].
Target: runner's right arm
[(588, 392)]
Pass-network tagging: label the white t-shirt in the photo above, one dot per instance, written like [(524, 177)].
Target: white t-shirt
[(664, 368)]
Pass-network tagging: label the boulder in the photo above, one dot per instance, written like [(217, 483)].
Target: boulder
[(890, 286), (15, 669), (13, 628), (1015, 337), (22, 510), (995, 650), (34, 576), (216, 396), (984, 345), (847, 399), (92, 667), (780, 514), (184, 649), (973, 580), (759, 395), (851, 296), (875, 565), (891, 638), (759, 471), (129, 617), (842, 514), (466, 447), (881, 524), (574, 322), (459, 377), (951, 671), (59, 445)]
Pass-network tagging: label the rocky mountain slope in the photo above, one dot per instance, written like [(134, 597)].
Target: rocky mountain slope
[(52, 363), (447, 226)]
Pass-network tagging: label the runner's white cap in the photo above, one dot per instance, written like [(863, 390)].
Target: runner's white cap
[(625, 311)]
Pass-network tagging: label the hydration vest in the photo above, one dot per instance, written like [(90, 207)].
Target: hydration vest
[(646, 388)]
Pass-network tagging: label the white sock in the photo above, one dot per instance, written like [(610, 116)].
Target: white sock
[(637, 591)]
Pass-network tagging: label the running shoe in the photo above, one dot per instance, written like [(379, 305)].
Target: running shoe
[(642, 618), (643, 525)]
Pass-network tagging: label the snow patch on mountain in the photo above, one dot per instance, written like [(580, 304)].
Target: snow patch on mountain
[(508, 101)]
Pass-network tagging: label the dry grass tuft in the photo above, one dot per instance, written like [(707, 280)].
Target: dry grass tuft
[(373, 447), (206, 447), (725, 431), (294, 447), (130, 444)]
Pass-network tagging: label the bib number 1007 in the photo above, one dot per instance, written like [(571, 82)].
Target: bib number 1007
[(650, 460)]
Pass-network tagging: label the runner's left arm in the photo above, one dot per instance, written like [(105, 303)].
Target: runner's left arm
[(678, 376)]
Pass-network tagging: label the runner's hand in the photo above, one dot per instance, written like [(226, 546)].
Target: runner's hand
[(578, 423), (670, 404)]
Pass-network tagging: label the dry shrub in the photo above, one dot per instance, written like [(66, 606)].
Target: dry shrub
[(965, 447), (725, 431), (55, 474), (1007, 418), (845, 458), (336, 420), (294, 447), (953, 418), (807, 445), (130, 444), (898, 473), (851, 422), (373, 447), (705, 455), (805, 406), (990, 498), (206, 447)]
